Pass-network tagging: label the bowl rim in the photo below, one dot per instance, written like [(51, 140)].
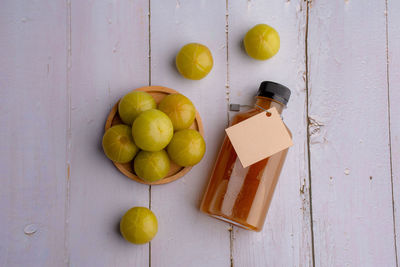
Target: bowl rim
[(121, 168)]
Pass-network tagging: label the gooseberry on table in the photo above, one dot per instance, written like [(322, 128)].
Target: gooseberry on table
[(186, 148), (118, 144), (152, 130), (262, 42), (139, 225), (194, 61), (179, 109), (134, 103)]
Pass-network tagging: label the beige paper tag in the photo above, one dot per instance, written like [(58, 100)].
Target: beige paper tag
[(259, 137)]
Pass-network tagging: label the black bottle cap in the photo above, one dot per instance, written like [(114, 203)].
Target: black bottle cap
[(274, 91)]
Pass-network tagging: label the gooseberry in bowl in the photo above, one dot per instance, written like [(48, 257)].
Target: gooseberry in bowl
[(139, 225), (262, 42), (152, 130), (176, 171), (179, 109), (134, 103), (151, 166), (186, 148), (118, 144), (194, 61)]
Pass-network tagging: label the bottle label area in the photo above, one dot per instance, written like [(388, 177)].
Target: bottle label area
[(259, 137)]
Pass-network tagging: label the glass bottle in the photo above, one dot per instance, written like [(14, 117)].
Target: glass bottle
[(242, 196)]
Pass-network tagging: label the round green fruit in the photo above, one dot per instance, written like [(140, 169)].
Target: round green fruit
[(194, 61), (118, 144), (151, 166), (187, 147), (152, 130), (179, 109), (134, 103), (139, 225), (262, 42)]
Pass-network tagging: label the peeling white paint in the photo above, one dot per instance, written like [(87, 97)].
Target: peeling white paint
[(30, 229)]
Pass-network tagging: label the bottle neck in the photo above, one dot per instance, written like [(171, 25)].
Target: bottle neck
[(267, 103)]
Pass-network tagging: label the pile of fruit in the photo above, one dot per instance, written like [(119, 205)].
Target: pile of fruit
[(150, 137)]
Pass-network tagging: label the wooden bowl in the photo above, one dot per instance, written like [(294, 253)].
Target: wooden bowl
[(175, 172)]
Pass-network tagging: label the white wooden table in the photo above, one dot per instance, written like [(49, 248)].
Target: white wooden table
[(63, 64)]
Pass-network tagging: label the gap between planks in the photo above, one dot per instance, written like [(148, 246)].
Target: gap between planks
[(68, 134), (149, 56), (228, 91), (308, 5), (389, 129)]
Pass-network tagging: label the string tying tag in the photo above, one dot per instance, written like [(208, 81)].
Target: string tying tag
[(267, 112), (236, 108)]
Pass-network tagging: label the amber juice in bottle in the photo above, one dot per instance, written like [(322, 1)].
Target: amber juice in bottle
[(242, 196)]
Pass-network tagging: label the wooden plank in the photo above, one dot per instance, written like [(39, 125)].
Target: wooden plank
[(187, 237), (350, 164), (286, 237), (108, 58), (32, 136), (393, 13)]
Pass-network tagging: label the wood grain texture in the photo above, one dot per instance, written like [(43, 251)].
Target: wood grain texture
[(32, 137), (350, 163), (187, 237), (393, 13), (109, 48), (286, 237)]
